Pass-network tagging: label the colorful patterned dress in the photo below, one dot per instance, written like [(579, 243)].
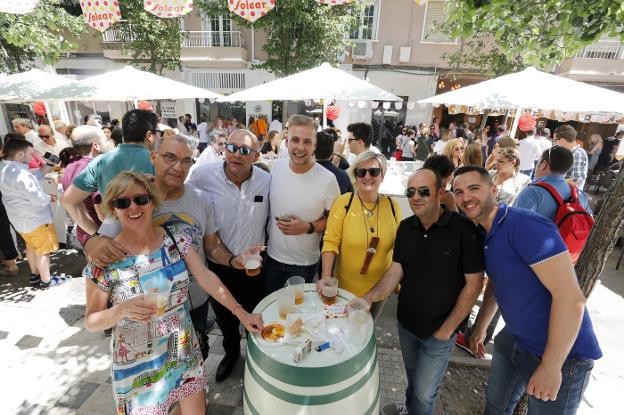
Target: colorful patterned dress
[(158, 363)]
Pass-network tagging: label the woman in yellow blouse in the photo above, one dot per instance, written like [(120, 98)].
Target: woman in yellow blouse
[(361, 229)]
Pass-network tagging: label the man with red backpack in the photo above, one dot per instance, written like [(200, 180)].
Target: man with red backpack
[(552, 197)]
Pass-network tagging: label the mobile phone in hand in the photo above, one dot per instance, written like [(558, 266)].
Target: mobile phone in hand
[(284, 218)]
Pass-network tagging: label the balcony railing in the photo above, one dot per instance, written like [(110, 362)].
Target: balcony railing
[(190, 39), (213, 39), (604, 49)]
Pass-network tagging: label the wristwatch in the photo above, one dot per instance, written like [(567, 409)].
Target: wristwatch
[(310, 228)]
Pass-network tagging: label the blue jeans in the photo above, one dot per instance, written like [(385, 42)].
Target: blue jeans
[(425, 363), (527, 172), (276, 274), (512, 368)]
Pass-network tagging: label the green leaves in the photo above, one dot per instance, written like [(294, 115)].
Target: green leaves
[(39, 34)]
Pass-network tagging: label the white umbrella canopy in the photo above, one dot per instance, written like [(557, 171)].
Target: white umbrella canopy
[(30, 85), (323, 82), (127, 84), (533, 89)]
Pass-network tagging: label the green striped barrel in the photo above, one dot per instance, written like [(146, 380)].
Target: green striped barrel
[(324, 383)]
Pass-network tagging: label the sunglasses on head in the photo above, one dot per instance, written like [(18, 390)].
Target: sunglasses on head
[(139, 200), (243, 150), (422, 192), (361, 173)]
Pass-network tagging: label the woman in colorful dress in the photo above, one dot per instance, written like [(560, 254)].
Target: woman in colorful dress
[(156, 356), (362, 257)]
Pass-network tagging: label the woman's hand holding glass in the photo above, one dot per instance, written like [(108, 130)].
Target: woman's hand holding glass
[(138, 309)]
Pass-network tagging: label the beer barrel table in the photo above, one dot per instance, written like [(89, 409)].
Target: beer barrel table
[(323, 382)]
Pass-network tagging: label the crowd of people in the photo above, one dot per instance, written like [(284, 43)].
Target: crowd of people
[(161, 202)]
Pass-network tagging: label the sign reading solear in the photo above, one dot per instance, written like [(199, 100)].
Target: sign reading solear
[(251, 10)]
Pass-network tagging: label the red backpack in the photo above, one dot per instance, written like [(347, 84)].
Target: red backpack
[(573, 221)]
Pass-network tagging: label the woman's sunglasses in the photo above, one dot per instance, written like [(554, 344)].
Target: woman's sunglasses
[(139, 200), (233, 148), (361, 173), (422, 192)]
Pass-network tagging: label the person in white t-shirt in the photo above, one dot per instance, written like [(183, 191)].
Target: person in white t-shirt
[(50, 143), (214, 152), (202, 130), (529, 149), (276, 125), (301, 194), (543, 139), (24, 127)]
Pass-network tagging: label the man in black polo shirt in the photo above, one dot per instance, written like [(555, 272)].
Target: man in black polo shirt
[(438, 260)]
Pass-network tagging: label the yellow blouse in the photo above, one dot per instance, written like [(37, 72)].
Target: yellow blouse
[(348, 235)]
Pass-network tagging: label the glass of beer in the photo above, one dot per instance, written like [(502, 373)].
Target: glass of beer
[(329, 290), (285, 302), (253, 264), (358, 318), (297, 284), (156, 291)]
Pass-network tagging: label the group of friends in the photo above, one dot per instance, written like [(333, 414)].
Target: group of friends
[(159, 215)]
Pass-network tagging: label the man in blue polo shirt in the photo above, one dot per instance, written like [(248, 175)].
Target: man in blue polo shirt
[(139, 132), (551, 169), (548, 346)]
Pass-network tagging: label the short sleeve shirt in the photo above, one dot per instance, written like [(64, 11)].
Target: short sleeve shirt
[(434, 262), (96, 176), (518, 239)]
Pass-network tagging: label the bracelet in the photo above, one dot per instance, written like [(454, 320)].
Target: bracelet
[(230, 261), (236, 307), (310, 228)]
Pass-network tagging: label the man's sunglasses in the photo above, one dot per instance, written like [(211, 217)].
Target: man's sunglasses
[(361, 173), (139, 200), (244, 150), (43, 136), (422, 192)]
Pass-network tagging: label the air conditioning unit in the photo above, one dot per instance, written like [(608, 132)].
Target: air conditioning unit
[(362, 49)]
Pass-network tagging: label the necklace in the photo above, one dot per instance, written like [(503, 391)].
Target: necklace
[(369, 213)]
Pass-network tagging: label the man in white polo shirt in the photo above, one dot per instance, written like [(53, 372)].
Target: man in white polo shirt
[(301, 194)]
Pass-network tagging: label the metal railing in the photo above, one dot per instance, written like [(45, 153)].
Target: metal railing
[(213, 39), (604, 49), (190, 39)]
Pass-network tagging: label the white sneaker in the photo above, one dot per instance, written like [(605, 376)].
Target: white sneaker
[(394, 408)]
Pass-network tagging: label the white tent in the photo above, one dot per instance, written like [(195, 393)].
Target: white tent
[(127, 84), (323, 82), (30, 85), (533, 89)]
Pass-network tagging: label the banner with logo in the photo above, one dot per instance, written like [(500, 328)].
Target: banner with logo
[(100, 14), (334, 2), (251, 10), (168, 8), (17, 6)]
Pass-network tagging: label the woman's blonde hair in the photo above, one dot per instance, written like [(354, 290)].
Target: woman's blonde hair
[(122, 182), (507, 142), (450, 147), (511, 154), (473, 155), (365, 156)]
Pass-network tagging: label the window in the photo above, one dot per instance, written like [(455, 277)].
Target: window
[(435, 13), (367, 27), (221, 30)]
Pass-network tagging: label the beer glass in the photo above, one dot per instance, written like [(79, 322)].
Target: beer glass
[(157, 291), (358, 319), (253, 264), (329, 290), (297, 284), (285, 302)]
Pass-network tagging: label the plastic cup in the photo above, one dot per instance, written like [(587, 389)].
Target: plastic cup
[(253, 264), (157, 290), (358, 320), (329, 290), (298, 285), (285, 302)]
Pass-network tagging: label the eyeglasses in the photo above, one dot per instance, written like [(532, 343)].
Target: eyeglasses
[(43, 137), (361, 173), (243, 150), (171, 159), (221, 144), (422, 192), (125, 202)]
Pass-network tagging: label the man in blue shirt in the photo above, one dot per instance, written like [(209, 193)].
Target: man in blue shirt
[(551, 168), (139, 132), (548, 345)]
